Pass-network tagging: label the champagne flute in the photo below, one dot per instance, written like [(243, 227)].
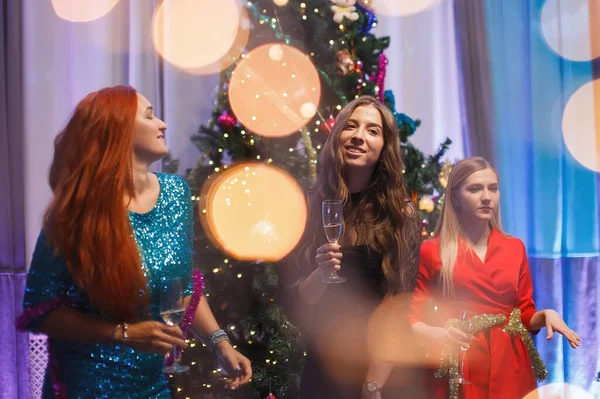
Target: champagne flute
[(466, 317), (333, 220), (171, 311)]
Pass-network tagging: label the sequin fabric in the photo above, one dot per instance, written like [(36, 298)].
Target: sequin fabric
[(164, 236)]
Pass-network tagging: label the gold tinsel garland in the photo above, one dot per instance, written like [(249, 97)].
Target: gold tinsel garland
[(310, 152), (514, 327), (449, 359)]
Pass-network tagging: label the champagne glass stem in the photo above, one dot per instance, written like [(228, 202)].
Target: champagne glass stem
[(463, 352)]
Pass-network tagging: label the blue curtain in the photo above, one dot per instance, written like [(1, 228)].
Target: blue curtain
[(548, 198)]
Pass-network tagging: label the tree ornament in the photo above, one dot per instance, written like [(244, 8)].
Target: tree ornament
[(344, 62), (226, 120), (344, 9)]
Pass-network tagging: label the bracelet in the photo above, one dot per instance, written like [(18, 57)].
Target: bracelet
[(114, 334), (215, 338), (124, 336)]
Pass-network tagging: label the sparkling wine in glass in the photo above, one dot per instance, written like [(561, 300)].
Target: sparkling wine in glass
[(171, 310), (466, 317), (333, 220)]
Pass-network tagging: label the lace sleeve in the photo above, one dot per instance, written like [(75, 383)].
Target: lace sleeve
[(412, 235)]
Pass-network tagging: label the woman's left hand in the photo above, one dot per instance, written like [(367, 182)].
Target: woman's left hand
[(235, 364), (556, 323)]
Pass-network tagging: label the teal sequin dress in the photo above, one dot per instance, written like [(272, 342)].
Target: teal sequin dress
[(164, 236)]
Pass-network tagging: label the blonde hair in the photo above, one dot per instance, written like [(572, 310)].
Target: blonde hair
[(448, 229)]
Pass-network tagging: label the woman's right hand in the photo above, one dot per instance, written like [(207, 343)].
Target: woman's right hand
[(154, 337), (329, 258)]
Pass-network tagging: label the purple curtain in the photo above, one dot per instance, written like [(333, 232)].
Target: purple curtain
[(14, 346)]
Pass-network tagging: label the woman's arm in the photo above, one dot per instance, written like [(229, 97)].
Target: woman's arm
[(379, 371), (71, 325), (533, 319), (237, 365)]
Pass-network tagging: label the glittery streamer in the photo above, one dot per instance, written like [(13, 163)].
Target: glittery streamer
[(371, 19), (514, 327), (449, 359), (380, 77), (265, 19), (310, 151), (332, 86), (58, 385), (198, 289), (188, 317), (35, 312)]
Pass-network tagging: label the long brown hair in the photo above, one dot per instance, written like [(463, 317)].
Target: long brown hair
[(86, 222), (448, 229), (380, 215)]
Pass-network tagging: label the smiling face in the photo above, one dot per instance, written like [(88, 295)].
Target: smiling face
[(478, 196), (362, 140), (148, 139)]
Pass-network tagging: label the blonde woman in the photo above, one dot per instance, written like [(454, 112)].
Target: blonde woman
[(474, 291)]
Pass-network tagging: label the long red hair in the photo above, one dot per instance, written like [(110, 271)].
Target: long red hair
[(86, 222)]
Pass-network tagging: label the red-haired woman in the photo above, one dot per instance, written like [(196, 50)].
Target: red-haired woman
[(113, 235)]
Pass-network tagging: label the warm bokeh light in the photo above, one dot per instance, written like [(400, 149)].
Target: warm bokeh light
[(581, 125), (390, 337), (82, 11), (235, 51), (253, 212), (275, 90), (193, 34), (401, 8), (571, 29), (559, 390)]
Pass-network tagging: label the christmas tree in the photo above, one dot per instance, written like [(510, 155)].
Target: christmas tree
[(350, 62)]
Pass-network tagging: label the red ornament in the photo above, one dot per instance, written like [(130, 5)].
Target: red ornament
[(330, 123), (271, 396), (226, 121)]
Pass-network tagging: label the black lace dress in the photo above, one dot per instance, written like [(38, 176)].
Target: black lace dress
[(335, 329)]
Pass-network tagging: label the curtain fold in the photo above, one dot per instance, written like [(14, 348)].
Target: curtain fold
[(549, 198), (474, 83), (14, 346)]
